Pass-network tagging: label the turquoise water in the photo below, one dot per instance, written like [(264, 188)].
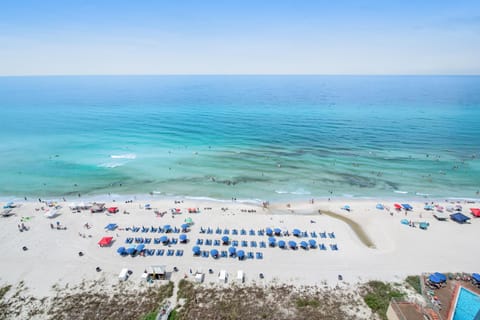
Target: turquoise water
[(249, 137), (468, 306)]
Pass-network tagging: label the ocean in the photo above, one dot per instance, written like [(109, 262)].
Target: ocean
[(244, 137)]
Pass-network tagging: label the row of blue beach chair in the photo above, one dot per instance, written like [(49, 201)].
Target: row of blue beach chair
[(234, 243), (262, 232), (224, 254), (155, 240), (153, 229)]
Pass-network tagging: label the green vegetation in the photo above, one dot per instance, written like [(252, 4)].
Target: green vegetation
[(414, 281), (377, 296), (173, 315), (4, 290), (186, 290), (150, 316), (304, 302), (165, 291)]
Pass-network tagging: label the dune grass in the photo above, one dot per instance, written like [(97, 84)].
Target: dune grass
[(361, 234)]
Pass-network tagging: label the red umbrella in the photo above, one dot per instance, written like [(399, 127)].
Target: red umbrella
[(105, 241), (397, 206), (475, 212), (113, 209)]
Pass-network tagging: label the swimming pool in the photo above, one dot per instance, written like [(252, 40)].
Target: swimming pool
[(467, 306)]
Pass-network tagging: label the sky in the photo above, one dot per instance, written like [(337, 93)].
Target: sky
[(89, 37)]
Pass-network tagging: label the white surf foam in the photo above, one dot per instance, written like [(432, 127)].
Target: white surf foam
[(111, 165), (124, 156), (399, 191)]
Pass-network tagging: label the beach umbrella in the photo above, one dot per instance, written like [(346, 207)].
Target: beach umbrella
[(164, 239), (296, 232), (225, 239), (272, 240), (292, 244), (140, 247), (167, 227), (214, 253), (121, 250), (232, 250), (185, 226), (304, 244), (269, 232), (189, 220), (277, 231), (183, 237), (379, 206), (131, 250), (196, 250), (312, 243), (476, 277), (240, 254), (281, 244)]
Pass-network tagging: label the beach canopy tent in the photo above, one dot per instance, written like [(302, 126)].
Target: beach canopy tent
[(121, 250), (281, 244), (437, 277), (312, 243), (97, 207), (428, 207), (225, 239), (113, 209), (51, 213), (140, 247), (406, 206), (148, 206), (9, 205), (296, 232), (405, 221), (424, 225), (185, 226), (214, 252), (232, 250), (183, 238), (105, 241), (459, 217), (164, 239), (476, 277), (268, 231), (379, 206), (292, 244), (397, 206), (240, 254), (111, 226), (475, 212), (189, 221), (440, 215), (277, 231), (196, 250), (304, 244), (131, 250)]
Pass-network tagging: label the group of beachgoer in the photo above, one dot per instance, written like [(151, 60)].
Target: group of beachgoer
[(22, 227), (58, 226)]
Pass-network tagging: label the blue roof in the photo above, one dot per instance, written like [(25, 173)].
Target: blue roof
[(476, 277), (240, 253), (459, 217), (183, 237), (281, 243)]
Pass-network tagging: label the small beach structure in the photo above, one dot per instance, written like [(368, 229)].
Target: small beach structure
[(407, 207), (428, 207), (475, 212), (111, 226), (147, 206), (240, 276), (442, 216), (459, 217), (157, 272), (113, 210), (97, 207), (105, 241), (222, 276)]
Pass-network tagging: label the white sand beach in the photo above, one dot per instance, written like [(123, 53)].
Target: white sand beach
[(52, 256)]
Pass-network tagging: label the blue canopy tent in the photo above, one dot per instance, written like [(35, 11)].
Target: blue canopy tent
[(167, 228), (407, 207), (437, 278), (296, 232), (225, 239), (304, 244), (164, 239), (232, 251), (271, 241), (240, 254), (196, 250), (312, 243), (185, 227), (111, 226), (269, 232), (214, 253), (121, 251), (292, 244), (380, 206), (277, 231), (459, 217), (428, 207), (281, 244), (183, 238), (140, 247), (476, 277), (131, 250)]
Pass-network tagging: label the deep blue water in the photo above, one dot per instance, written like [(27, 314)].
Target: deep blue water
[(262, 137)]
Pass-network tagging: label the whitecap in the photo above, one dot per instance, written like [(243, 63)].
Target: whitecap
[(124, 156), (111, 165), (399, 191)]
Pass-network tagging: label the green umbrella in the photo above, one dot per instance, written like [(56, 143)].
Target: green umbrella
[(189, 220)]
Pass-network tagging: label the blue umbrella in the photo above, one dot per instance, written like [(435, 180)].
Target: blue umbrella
[(292, 244), (225, 239), (196, 250), (271, 240), (240, 254), (296, 232), (185, 226), (183, 237), (131, 250), (167, 227), (281, 244), (268, 231), (232, 250), (121, 250), (277, 231), (304, 244), (140, 247), (214, 252), (313, 243), (164, 239)]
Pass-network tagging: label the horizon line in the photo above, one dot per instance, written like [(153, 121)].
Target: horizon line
[(247, 74)]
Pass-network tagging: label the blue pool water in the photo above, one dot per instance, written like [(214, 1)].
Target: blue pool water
[(249, 137), (468, 306)]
